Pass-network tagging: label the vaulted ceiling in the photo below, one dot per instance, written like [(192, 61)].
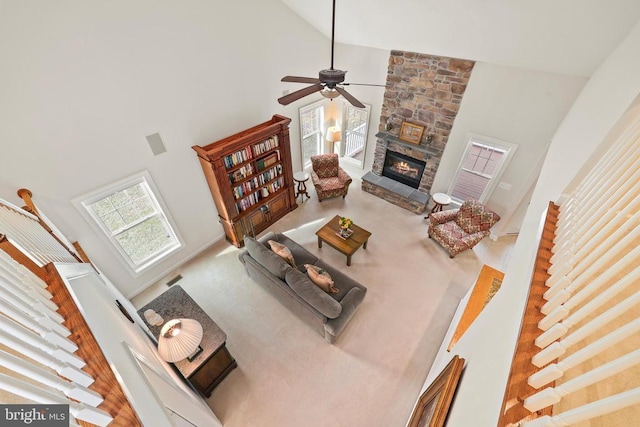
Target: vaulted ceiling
[(562, 36)]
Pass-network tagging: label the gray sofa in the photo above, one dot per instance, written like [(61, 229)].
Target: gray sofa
[(327, 313)]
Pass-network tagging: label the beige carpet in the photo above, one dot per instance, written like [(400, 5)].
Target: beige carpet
[(287, 375)]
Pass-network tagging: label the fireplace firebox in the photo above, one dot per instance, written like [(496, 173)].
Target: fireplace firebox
[(403, 168)]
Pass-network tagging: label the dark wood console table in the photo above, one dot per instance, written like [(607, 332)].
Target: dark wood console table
[(215, 362)]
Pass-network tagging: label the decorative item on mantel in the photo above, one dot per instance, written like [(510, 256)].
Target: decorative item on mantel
[(345, 227), (389, 125), (410, 132)]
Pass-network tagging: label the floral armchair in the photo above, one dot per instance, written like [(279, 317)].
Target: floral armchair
[(460, 229), (329, 179)]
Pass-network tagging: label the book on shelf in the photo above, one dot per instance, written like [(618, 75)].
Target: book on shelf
[(271, 159), (241, 173), (236, 158), (263, 147)]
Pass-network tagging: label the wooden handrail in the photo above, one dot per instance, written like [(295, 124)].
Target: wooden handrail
[(30, 207), (513, 411)]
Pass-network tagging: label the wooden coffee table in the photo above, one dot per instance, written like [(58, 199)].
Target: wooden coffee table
[(349, 246)]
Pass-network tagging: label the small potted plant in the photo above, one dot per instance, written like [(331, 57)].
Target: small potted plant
[(345, 225)]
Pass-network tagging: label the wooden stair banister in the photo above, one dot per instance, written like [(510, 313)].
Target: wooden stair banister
[(513, 411), (26, 195)]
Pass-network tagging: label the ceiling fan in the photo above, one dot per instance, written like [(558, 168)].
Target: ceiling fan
[(328, 83)]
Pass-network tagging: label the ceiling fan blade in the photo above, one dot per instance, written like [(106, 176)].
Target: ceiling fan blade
[(361, 84), (295, 79), (350, 97), (294, 96)]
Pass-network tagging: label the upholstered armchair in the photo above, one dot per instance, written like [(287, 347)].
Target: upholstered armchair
[(460, 229), (329, 179)]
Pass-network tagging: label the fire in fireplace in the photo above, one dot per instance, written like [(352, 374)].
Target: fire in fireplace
[(403, 168)]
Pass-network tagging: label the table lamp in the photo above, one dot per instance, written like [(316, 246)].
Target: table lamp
[(180, 339), (333, 136)]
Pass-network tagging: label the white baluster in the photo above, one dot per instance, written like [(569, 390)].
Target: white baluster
[(71, 372), (6, 287), (80, 411), (27, 290), (560, 329), (72, 390), (46, 333), (588, 411), (556, 370), (35, 313), (552, 395), (17, 331), (629, 259)]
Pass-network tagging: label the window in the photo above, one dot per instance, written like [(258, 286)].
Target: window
[(481, 166), (355, 131), (129, 214), (311, 135)]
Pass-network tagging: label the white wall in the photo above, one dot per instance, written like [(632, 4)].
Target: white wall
[(489, 343), (520, 106), (83, 83)]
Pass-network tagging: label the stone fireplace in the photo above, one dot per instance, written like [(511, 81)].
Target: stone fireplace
[(424, 90)]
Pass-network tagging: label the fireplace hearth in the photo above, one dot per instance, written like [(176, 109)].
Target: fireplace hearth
[(403, 168)]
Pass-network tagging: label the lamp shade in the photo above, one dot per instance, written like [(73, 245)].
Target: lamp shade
[(333, 134), (179, 338)]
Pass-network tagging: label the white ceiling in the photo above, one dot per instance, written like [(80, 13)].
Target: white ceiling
[(562, 36)]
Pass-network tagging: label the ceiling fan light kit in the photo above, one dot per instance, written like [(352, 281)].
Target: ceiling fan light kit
[(329, 82), (329, 93)]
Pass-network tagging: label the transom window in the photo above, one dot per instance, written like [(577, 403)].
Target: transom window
[(481, 166), (130, 215)]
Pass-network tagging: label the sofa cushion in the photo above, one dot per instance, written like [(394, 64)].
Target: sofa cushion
[(267, 258), (341, 281), (312, 294), (300, 254), (282, 251), (321, 278)]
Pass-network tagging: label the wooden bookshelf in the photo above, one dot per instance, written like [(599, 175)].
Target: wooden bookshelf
[(250, 178)]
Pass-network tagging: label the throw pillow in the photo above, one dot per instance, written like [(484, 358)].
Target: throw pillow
[(321, 278), (282, 251), (268, 259), (312, 294)]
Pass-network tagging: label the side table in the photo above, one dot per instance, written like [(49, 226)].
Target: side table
[(215, 362), (301, 178), (440, 200)]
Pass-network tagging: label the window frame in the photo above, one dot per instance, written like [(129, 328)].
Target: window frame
[(83, 205), (345, 111), (320, 106), (509, 149)]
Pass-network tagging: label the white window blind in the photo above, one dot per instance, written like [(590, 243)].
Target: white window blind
[(481, 165)]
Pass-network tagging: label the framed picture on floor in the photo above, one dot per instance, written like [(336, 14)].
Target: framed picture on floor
[(433, 405)]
